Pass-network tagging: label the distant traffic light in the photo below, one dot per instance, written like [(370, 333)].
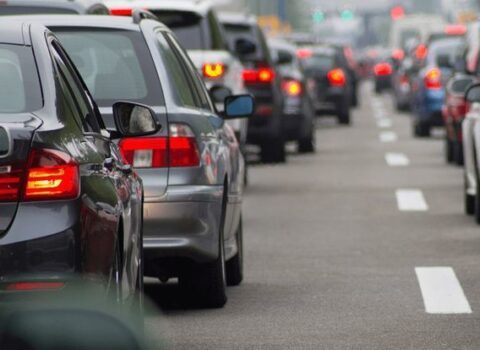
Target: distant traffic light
[(318, 16), (397, 12), (347, 15)]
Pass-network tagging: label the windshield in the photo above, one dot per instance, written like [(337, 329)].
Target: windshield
[(115, 65), (447, 47), (318, 61), (36, 10), (20, 91)]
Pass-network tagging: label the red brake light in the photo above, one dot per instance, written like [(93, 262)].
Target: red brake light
[(145, 152), (178, 150), (433, 79), (398, 54), (456, 29), (262, 75), (421, 52), (397, 12), (337, 78), (10, 182), (51, 175), (213, 70), (304, 53), (383, 69), (29, 286), (292, 87), (121, 11)]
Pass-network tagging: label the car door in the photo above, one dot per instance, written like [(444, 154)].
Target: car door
[(107, 189)]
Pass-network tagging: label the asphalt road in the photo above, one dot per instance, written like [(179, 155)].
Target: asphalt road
[(331, 259)]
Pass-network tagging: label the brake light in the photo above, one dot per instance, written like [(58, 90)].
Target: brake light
[(213, 70), (262, 75), (383, 69), (456, 29), (336, 77), (51, 175), (10, 182), (304, 53), (421, 52), (178, 150), (121, 11), (292, 87), (398, 54), (433, 79), (29, 286)]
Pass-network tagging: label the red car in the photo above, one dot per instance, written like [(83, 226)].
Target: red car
[(454, 110)]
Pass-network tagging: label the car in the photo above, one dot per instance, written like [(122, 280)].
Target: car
[(196, 26), (471, 149), (70, 204), (383, 71), (428, 85), (299, 114), (192, 168), (331, 91), (19, 7), (266, 127)]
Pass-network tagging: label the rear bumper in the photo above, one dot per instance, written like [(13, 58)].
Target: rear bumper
[(332, 102), (430, 108), (185, 223)]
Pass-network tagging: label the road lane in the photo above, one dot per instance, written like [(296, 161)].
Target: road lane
[(330, 260)]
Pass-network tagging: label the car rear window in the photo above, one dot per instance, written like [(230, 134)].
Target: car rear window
[(20, 90), (445, 47), (115, 65), (240, 31), (33, 10), (318, 61)]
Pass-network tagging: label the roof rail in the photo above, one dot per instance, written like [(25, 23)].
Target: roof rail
[(140, 14)]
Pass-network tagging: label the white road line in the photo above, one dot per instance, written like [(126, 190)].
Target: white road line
[(388, 136), (411, 200), (441, 291), (384, 123), (397, 159)]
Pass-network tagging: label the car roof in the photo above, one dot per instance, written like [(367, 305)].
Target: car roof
[(68, 4), (11, 32), (200, 7), (83, 21), (237, 18)]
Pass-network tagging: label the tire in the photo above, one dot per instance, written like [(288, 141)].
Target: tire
[(234, 266), (476, 208), (448, 150), (378, 90), (307, 145), (422, 130), (273, 152), (355, 101), (206, 283), (469, 200), (458, 153), (344, 117)]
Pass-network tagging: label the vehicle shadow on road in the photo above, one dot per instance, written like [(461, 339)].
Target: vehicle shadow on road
[(167, 297)]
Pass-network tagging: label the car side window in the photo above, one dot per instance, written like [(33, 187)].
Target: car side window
[(192, 74), (74, 88), (178, 79)]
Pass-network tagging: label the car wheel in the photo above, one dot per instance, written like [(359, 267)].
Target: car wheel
[(344, 116), (476, 208), (234, 266), (448, 150), (422, 130), (273, 152), (457, 153), (469, 200)]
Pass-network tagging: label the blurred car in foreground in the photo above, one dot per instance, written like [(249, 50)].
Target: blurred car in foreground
[(192, 168), (383, 72), (70, 205), (428, 86), (21, 7), (299, 115), (331, 90), (261, 79)]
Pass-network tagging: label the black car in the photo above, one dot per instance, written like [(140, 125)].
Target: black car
[(331, 91), (69, 204), (18, 7), (298, 111), (261, 79)]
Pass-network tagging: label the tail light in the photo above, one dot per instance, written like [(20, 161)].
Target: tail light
[(455, 29), (337, 78), (179, 149), (10, 182), (433, 79), (398, 54), (292, 88), (304, 53), (383, 69), (421, 52), (29, 286), (261, 75), (213, 70), (121, 11)]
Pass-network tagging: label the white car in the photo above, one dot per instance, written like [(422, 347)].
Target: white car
[(197, 28), (418, 26), (471, 149)]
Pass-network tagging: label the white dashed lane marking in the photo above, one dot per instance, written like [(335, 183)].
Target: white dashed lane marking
[(397, 159), (441, 291), (384, 123), (411, 200), (388, 136)]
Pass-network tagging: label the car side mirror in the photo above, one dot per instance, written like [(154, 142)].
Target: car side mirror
[(443, 61), (239, 106), (133, 119), (244, 47), (473, 94)]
